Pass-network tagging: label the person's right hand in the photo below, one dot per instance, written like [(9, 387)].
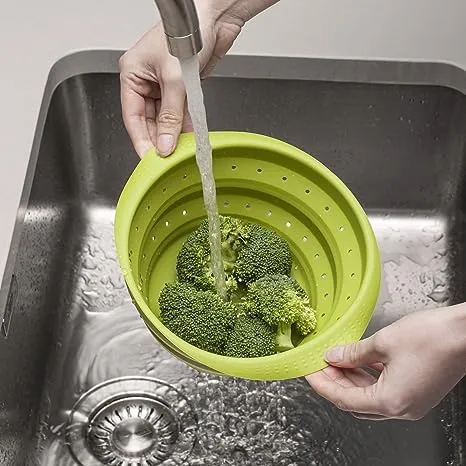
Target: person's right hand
[(152, 91), (419, 359)]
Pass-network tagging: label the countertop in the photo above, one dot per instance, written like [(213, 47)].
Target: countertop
[(34, 35)]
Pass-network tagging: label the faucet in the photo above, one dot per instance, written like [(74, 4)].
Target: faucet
[(181, 25)]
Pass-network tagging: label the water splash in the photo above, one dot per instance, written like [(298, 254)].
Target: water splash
[(100, 276), (190, 71), (415, 265)]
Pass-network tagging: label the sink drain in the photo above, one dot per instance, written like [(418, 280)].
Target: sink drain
[(132, 428), (132, 421)]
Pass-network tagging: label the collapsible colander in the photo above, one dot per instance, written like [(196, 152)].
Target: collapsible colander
[(267, 181)]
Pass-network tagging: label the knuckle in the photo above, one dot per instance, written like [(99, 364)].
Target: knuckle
[(170, 118), (353, 352), (123, 61), (380, 342), (340, 404), (171, 78)]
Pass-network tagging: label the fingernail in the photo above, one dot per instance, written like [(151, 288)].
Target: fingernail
[(165, 144), (334, 354)]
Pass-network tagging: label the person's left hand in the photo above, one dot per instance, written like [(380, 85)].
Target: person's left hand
[(418, 360)]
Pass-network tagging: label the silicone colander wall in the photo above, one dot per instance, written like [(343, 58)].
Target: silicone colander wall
[(267, 181)]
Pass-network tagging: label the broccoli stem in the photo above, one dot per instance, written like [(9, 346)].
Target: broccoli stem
[(228, 255), (283, 340)]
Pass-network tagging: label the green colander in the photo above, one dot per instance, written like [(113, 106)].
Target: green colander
[(263, 180)]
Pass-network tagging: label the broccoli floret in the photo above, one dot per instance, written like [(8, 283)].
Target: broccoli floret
[(264, 253), (193, 262), (281, 302), (249, 251), (201, 318), (257, 264), (251, 338)]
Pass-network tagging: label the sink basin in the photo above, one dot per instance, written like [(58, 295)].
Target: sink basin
[(83, 381)]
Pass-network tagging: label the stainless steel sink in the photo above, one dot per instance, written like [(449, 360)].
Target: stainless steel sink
[(82, 380)]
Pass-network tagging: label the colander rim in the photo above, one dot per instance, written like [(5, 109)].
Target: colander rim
[(142, 179)]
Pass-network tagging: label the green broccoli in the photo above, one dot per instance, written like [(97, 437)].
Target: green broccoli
[(264, 253), (201, 318), (281, 302), (249, 251), (193, 262), (263, 305), (251, 338)]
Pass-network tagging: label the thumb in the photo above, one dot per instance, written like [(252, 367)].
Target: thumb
[(355, 355), (171, 114)]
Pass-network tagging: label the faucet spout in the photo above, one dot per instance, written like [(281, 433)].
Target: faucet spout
[(181, 25)]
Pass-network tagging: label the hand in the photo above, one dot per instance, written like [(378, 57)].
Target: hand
[(418, 360), (152, 90)]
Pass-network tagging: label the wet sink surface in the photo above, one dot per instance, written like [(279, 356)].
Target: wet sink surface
[(81, 377)]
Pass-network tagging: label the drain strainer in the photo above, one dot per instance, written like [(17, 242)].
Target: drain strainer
[(132, 421)]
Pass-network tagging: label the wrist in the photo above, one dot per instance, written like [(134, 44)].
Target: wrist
[(240, 11)]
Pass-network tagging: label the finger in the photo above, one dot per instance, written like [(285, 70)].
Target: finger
[(223, 43), (157, 107), (134, 117), (355, 399), (375, 369), (211, 64), (349, 377), (361, 353), (359, 377), (337, 375), (170, 118), (370, 417), (151, 120), (187, 121), (376, 366)]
